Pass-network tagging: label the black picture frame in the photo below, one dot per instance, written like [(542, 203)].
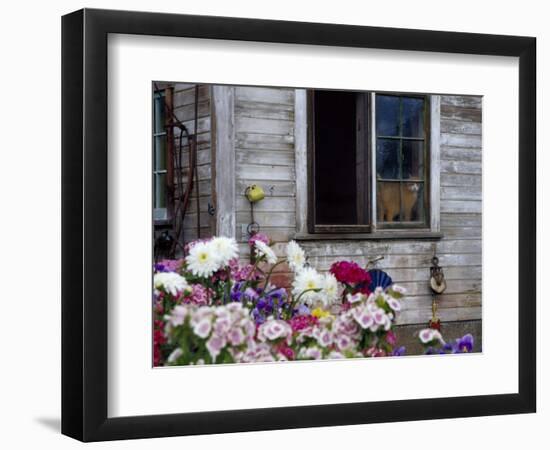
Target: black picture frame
[(84, 224)]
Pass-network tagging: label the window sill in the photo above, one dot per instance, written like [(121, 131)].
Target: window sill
[(376, 236)]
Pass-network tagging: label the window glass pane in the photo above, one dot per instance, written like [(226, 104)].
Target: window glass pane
[(160, 153), (160, 190), (413, 117), (413, 160), (159, 114), (387, 115), (388, 201), (387, 158), (412, 198)]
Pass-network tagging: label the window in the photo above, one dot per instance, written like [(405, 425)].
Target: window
[(369, 162), (162, 144)]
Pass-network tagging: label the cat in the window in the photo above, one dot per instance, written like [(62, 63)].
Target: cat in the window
[(388, 201)]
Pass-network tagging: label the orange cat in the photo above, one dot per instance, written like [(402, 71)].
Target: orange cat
[(388, 201)]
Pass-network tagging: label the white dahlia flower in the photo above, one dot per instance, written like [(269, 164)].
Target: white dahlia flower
[(296, 256), (202, 260), (308, 283), (225, 249), (265, 251), (170, 282)]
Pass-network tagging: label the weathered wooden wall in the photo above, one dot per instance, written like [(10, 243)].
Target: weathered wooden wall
[(264, 134), (184, 109)]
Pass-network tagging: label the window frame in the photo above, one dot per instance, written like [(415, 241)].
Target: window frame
[(426, 161), (305, 159), (163, 216)]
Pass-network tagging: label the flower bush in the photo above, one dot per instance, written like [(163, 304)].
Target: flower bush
[(209, 308)]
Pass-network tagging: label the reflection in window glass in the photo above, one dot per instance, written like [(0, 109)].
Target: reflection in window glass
[(412, 117), (387, 158), (387, 115)]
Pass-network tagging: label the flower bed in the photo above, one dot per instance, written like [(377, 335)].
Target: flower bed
[(210, 309)]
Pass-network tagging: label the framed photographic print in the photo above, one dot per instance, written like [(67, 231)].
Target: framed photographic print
[(273, 224)]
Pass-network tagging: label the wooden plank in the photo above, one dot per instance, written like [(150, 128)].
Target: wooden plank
[(362, 248), (261, 141), (464, 101), (280, 219), (459, 246), (461, 193), (187, 112), (461, 140), (271, 188), (262, 110), (423, 274), (389, 262), (203, 138), (276, 158), (470, 286), (460, 113), (461, 154), (460, 220), (265, 95), (203, 125), (300, 144), (266, 173), (204, 172), (445, 301), (264, 126), (269, 204), (422, 316), (461, 206), (460, 179), (187, 96), (460, 127), (462, 232), (223, 132), (465, 167)]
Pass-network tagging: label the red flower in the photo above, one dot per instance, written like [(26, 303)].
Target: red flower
[(350, 273)]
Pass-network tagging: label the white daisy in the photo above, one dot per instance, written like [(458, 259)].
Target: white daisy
[(202, 260), (225, 249), (296, 256), (331, 289), (307, 284), (170, 282), (265, 251)]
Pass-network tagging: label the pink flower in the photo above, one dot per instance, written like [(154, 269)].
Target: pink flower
[(391, 338), (235, 336), (325, 338), (258, 237), (202, 328), (214, 345)]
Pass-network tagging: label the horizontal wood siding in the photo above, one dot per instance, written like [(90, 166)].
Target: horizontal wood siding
[(264, 146), (265, 154)]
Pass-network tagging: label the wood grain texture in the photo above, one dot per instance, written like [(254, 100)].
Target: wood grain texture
[(223, 102)]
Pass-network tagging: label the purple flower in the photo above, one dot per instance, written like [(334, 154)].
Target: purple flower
[(465, 344), (399, 351)]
